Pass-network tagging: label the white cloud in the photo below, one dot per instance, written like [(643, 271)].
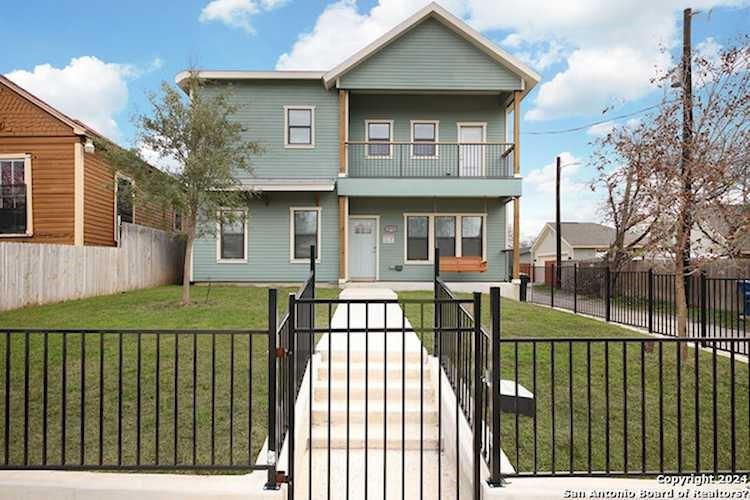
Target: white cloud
[(601, 129), (165, 163), (578, 202), (612, 49), (237, 13), (341, 30), (87, 89)]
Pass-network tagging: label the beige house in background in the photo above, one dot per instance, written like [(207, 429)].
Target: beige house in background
[(580, 241)]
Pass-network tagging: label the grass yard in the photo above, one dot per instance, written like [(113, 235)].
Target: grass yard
[(216, 308), (622, 380)]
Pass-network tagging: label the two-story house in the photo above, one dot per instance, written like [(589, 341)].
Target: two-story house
[(410, 144)]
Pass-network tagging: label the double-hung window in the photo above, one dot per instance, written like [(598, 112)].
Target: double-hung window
[(299, 126), (471, 236), (125, 195), (233, 236), (445, 235), (417, 238), (305, 232), (424, 136), (379, 138), (14, 196)]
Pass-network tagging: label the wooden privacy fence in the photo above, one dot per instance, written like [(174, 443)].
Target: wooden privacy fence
[(33, 273)]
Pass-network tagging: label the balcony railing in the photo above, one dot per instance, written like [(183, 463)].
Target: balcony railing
[(435, 160)]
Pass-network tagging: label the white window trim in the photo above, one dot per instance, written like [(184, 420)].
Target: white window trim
[(292, 260), (243, 260), (26, 157), (431, 234), (430, 238), (367, 140), (484, 140), (120, 175), (437, 139), (312, 127)]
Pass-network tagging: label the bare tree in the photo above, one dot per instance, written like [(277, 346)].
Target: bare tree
[(659, 191)]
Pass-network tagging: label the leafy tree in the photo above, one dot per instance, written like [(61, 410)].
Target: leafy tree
[(200, 151)]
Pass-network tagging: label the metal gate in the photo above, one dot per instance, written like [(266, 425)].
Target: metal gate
[(379, 394)]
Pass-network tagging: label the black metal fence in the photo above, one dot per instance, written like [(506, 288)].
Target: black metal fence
[(132, 400), (645, 299), (420, 159), (626, 406)]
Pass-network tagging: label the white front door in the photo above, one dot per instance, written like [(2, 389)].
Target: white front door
[(471, 151), (363, 248)]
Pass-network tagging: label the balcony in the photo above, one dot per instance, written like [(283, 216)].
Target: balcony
[(444, 169), (432, 160)]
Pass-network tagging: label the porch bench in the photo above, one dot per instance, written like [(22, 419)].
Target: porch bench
[(462, 265)]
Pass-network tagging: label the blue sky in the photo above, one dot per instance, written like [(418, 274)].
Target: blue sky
[(97, 63)]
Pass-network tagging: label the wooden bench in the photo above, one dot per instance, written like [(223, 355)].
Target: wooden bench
[(462, 265)]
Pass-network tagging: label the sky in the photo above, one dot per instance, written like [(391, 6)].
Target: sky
[(98, 62)]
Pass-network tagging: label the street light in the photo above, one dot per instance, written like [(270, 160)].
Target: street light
[(558, 225)]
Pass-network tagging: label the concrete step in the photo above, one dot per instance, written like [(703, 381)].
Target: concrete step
[(374, 415), (373, 355), (375, 390), (395, 437), (375, 371)]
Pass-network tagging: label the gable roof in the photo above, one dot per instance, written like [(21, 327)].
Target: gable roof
[(435, 11), (78, 127), (582, 234)]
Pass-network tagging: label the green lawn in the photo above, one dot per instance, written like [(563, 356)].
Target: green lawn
[(245, 308), (215, 308), (526, 320)]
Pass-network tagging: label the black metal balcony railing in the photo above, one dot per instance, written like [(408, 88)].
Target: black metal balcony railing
[(438, 160)]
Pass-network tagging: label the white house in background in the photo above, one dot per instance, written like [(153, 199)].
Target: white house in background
[(580, 241)]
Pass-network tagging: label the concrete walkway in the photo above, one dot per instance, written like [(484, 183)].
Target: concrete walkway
[(391, 413)]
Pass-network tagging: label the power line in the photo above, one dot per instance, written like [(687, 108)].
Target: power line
[(598, 122)]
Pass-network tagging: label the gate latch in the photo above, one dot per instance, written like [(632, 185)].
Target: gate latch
[(281, 477)]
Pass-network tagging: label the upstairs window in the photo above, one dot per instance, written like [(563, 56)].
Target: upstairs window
[(305, 232), (14, 194), (424, 135), (233, 236), (379, 132), (299, 122)]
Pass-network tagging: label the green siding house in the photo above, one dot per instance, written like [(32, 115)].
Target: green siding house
[(409, 145)]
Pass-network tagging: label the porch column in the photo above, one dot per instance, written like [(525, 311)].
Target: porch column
[(343, 130), (517, 173), (343, 238)]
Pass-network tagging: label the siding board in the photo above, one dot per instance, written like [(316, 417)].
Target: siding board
[(431, 57)]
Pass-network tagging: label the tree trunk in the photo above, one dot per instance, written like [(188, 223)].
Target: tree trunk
[(186, 267), (680, 299)]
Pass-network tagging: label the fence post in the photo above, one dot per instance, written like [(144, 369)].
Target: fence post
[(436, 296), (650, 301), (703, 303), (608, 293), (291, 386), (496, 478), (575, 287), (478, 393), (313, 257), (272, 458), (552, 286)]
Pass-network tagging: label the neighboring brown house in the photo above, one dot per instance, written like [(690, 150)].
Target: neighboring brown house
[(54, 186)]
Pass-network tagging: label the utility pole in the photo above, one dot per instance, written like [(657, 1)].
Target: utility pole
[(687, 140), (558, 228)]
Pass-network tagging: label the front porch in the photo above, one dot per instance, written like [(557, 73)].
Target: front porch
[(394, 239)]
